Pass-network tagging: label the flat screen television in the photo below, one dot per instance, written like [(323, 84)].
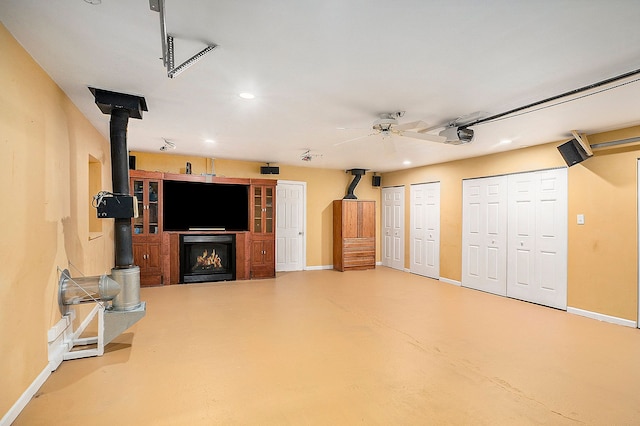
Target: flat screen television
[(205, 206)]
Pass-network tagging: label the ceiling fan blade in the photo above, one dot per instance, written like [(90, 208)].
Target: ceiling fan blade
[(424, 136), (410, 126), (354, 139), (389, 146)]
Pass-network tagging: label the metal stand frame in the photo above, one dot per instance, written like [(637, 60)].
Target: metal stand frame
[(76, 340)]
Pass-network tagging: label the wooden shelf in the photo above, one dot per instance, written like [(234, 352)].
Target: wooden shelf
[(354, 235), (157, 253)]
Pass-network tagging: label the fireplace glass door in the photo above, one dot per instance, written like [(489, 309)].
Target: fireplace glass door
[(205, 258)]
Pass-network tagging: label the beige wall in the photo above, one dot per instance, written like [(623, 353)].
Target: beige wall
[(602, 254), (323, 186), (45, 144)]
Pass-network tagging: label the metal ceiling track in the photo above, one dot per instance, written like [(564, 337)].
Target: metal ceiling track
[(168, 46), (556, 97)]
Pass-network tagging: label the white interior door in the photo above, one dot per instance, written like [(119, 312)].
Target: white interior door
[(537, 237), (393, 227), (484, 234), (425, 229), (290, 226)]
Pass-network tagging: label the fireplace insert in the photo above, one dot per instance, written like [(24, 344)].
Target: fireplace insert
[(206, 258)]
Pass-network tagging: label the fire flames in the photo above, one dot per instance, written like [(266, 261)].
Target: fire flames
[(208, 261)]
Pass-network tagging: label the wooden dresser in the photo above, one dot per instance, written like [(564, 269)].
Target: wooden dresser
[(354, 235)]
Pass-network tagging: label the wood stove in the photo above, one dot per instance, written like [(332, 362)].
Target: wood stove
[(205, 258)]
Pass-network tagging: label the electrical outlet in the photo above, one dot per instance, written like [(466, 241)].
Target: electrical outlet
[(580, 219)]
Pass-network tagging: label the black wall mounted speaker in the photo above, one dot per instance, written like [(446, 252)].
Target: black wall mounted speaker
[(376, 180), (572, 152), (269, 170), (132, 162)]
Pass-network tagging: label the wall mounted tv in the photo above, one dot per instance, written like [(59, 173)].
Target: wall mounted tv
[(205, 206)]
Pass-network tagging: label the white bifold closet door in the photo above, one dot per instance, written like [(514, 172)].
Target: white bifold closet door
[(393, 227), (425, 229), (484, 234), (537, 237), (514, 236)]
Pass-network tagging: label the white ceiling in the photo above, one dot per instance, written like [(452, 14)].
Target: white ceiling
[(322, 71)]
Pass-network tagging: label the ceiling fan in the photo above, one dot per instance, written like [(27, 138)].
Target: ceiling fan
[(388, 125)]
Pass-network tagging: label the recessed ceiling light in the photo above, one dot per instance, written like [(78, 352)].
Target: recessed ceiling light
[(406, 162), (505, 141), (209, 141), (246, 95)]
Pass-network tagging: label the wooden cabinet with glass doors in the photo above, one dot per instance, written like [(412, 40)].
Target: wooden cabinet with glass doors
[(147, 227), (263, 228)]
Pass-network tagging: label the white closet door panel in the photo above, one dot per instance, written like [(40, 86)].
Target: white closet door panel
[(425, 229), (551, 239), (484, 234), (431, 255), (473, 261), (393, 227), (417, 254), (521, 240), (387, 228), (537, 237)]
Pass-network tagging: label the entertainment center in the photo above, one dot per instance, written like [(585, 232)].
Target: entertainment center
[(202, 228)]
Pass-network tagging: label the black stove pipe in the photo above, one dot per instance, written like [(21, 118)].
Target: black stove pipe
[(120, 178), (120, 107), (357, 175)]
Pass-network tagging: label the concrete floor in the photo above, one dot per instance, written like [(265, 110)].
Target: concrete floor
[(378, 347)]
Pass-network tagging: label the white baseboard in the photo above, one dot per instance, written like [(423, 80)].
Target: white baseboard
[(318, 268), (26, 396), (602, 317), (450, 281), (58, 338)]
